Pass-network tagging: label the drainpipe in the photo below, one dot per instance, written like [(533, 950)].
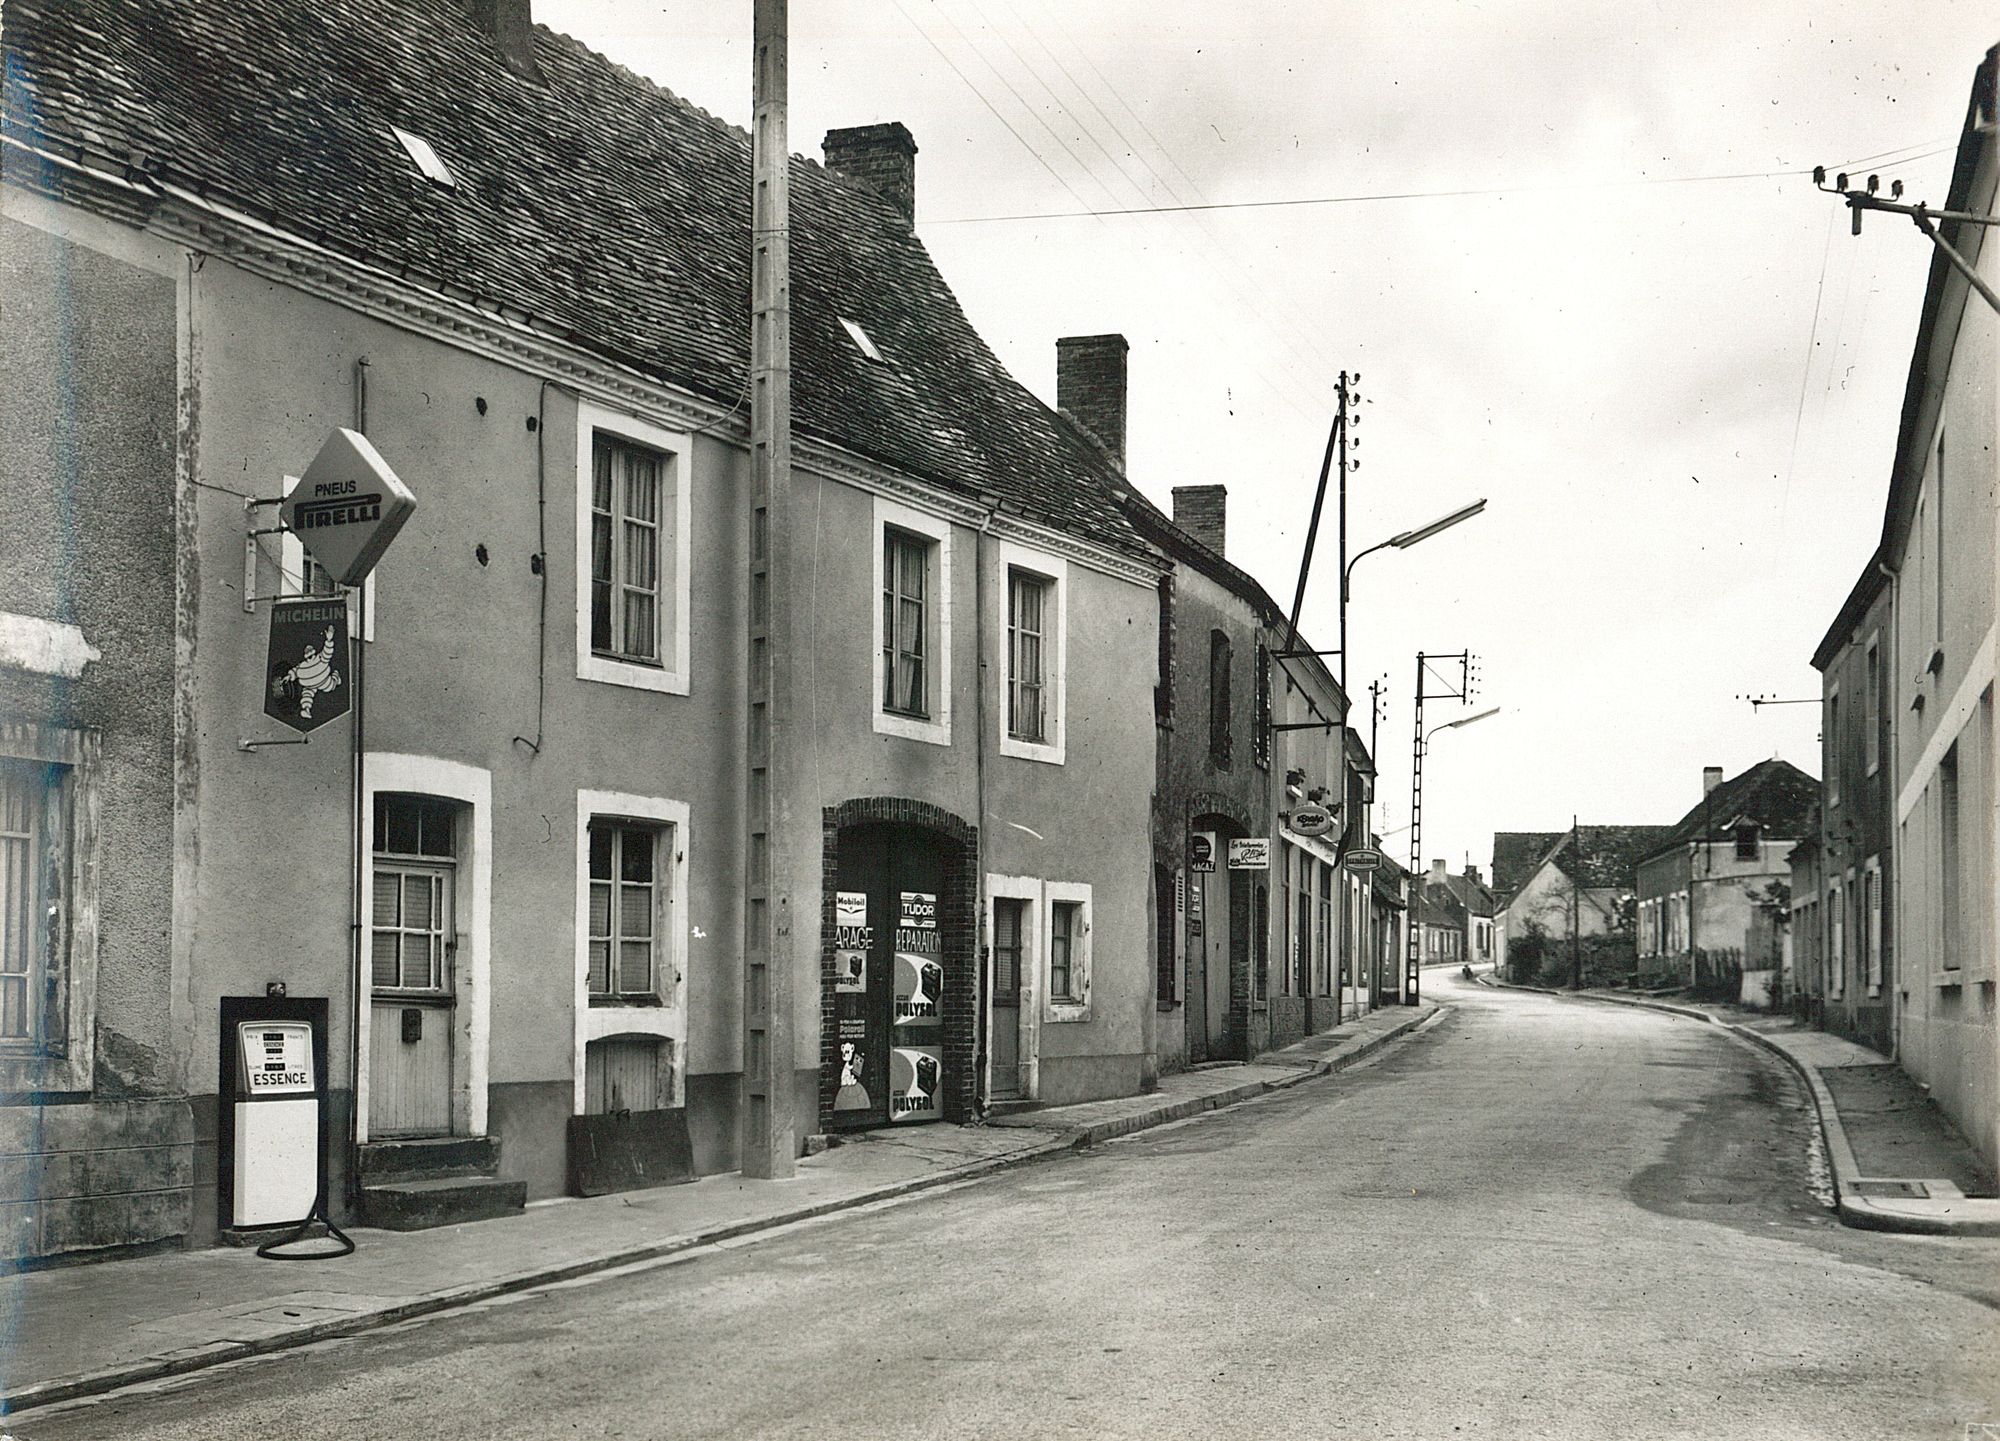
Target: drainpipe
[(357, 764), (982, 947)]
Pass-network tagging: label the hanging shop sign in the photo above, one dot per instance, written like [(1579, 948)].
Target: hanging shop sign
[(1311, 820), (1250, 853), (1201, 850), (1361, 859), (308, 673), (348, 506)]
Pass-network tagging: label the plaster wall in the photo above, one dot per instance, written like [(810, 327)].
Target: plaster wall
[(473, 664), (96, 1152)]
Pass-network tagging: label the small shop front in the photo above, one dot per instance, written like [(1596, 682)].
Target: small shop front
[(893, 977)]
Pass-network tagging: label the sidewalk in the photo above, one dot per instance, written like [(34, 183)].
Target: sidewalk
[(1898, 1164), (86, 1329)]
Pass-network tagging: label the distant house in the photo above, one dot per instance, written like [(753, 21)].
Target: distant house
[(1456, 913), (1707, 912), (1538, 874)]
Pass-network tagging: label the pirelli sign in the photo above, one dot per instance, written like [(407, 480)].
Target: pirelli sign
[(348, 506)]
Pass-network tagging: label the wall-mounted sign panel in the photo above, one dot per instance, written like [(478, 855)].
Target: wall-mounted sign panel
[(309, 664), (1201, 850), (1250, 853), (1311, 820), (348, 506), (1361, 859)]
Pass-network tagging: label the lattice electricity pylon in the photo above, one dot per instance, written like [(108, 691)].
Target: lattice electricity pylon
[(1432, 684)]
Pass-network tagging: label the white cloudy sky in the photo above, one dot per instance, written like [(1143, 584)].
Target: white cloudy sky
[(1679, 395)]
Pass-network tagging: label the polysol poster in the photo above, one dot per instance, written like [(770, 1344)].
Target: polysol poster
[(913, 1084)]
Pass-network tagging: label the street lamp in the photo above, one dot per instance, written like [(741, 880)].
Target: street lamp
[(1414, 920), (1455, 724), (1403, 541)]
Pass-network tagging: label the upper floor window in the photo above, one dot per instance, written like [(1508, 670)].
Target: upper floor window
[(633, 514), (1260, 733), (1831, 746), (906, 565), (1871, 723), (1036, 654), (1163, 687), (1747, 848), (625, 521), (912, 624), (1027, 657), (1219, 666)]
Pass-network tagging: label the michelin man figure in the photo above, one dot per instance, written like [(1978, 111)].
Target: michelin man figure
[(314, 673)]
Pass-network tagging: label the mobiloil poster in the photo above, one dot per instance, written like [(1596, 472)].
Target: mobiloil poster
[(917, 1061), (852, 938)]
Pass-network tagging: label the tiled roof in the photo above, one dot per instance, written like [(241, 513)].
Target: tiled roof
[(614, 215), (1608, 856), (1472, 895), (1775, 794), (1517, 855)]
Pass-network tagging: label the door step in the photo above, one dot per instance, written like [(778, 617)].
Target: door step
[(429, 1158), (442, 1201)]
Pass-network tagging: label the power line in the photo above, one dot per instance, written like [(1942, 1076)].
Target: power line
[(1392, 195)]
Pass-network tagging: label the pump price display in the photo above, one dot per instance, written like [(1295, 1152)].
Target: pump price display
[(277, 1057)]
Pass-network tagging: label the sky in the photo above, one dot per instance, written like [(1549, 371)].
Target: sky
[(1574, 253)]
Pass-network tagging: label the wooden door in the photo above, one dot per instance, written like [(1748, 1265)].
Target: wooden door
[(1010, 938), (1216, 940), (412, 1014)]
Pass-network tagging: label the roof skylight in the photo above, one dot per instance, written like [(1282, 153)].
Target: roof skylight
[(861, 340), (427, 160)]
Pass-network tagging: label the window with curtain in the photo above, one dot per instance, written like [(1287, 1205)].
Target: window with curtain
[(1028, 613), (1063, 917), (905, 615), (628, 541)]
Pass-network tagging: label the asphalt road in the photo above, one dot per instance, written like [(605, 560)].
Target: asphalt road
[(1537, 1218)]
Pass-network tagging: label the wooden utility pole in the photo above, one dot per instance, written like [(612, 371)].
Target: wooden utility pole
[(769, 1147), (1575, 885)]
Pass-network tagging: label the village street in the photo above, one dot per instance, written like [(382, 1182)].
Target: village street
[(1537, 1217)]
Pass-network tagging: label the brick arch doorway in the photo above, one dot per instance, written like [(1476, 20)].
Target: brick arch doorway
[(1218, 948), (899, 991)]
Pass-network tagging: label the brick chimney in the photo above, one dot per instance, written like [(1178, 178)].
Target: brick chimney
[(1711, 777), (1472, 874), (1203, 512), (1437, 872), (510, 24), (1090, 385), (883, 156)]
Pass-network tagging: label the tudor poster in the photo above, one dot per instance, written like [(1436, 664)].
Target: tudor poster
[(309, 673)]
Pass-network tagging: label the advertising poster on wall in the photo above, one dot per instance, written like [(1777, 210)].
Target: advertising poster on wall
[(851, 939), (919, 989), (914, 1072)]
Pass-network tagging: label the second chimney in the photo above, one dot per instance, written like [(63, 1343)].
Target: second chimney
[(511, 25), (1090, 385), (1711, 777), (1203, 512), (883, 156)]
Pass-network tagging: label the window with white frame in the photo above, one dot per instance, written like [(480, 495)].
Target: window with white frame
[(628, 919), (1871, 918), (1871, 720), (1032, 728), (1067, 956), (414, 931), (633, 510), (912, 624), (33, 880)]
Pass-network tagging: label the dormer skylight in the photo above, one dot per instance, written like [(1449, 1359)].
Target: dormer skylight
[(427, 159), (861, 340)]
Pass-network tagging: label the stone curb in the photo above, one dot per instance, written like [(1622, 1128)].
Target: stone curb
[(153, 1368), (1937, 1216)]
